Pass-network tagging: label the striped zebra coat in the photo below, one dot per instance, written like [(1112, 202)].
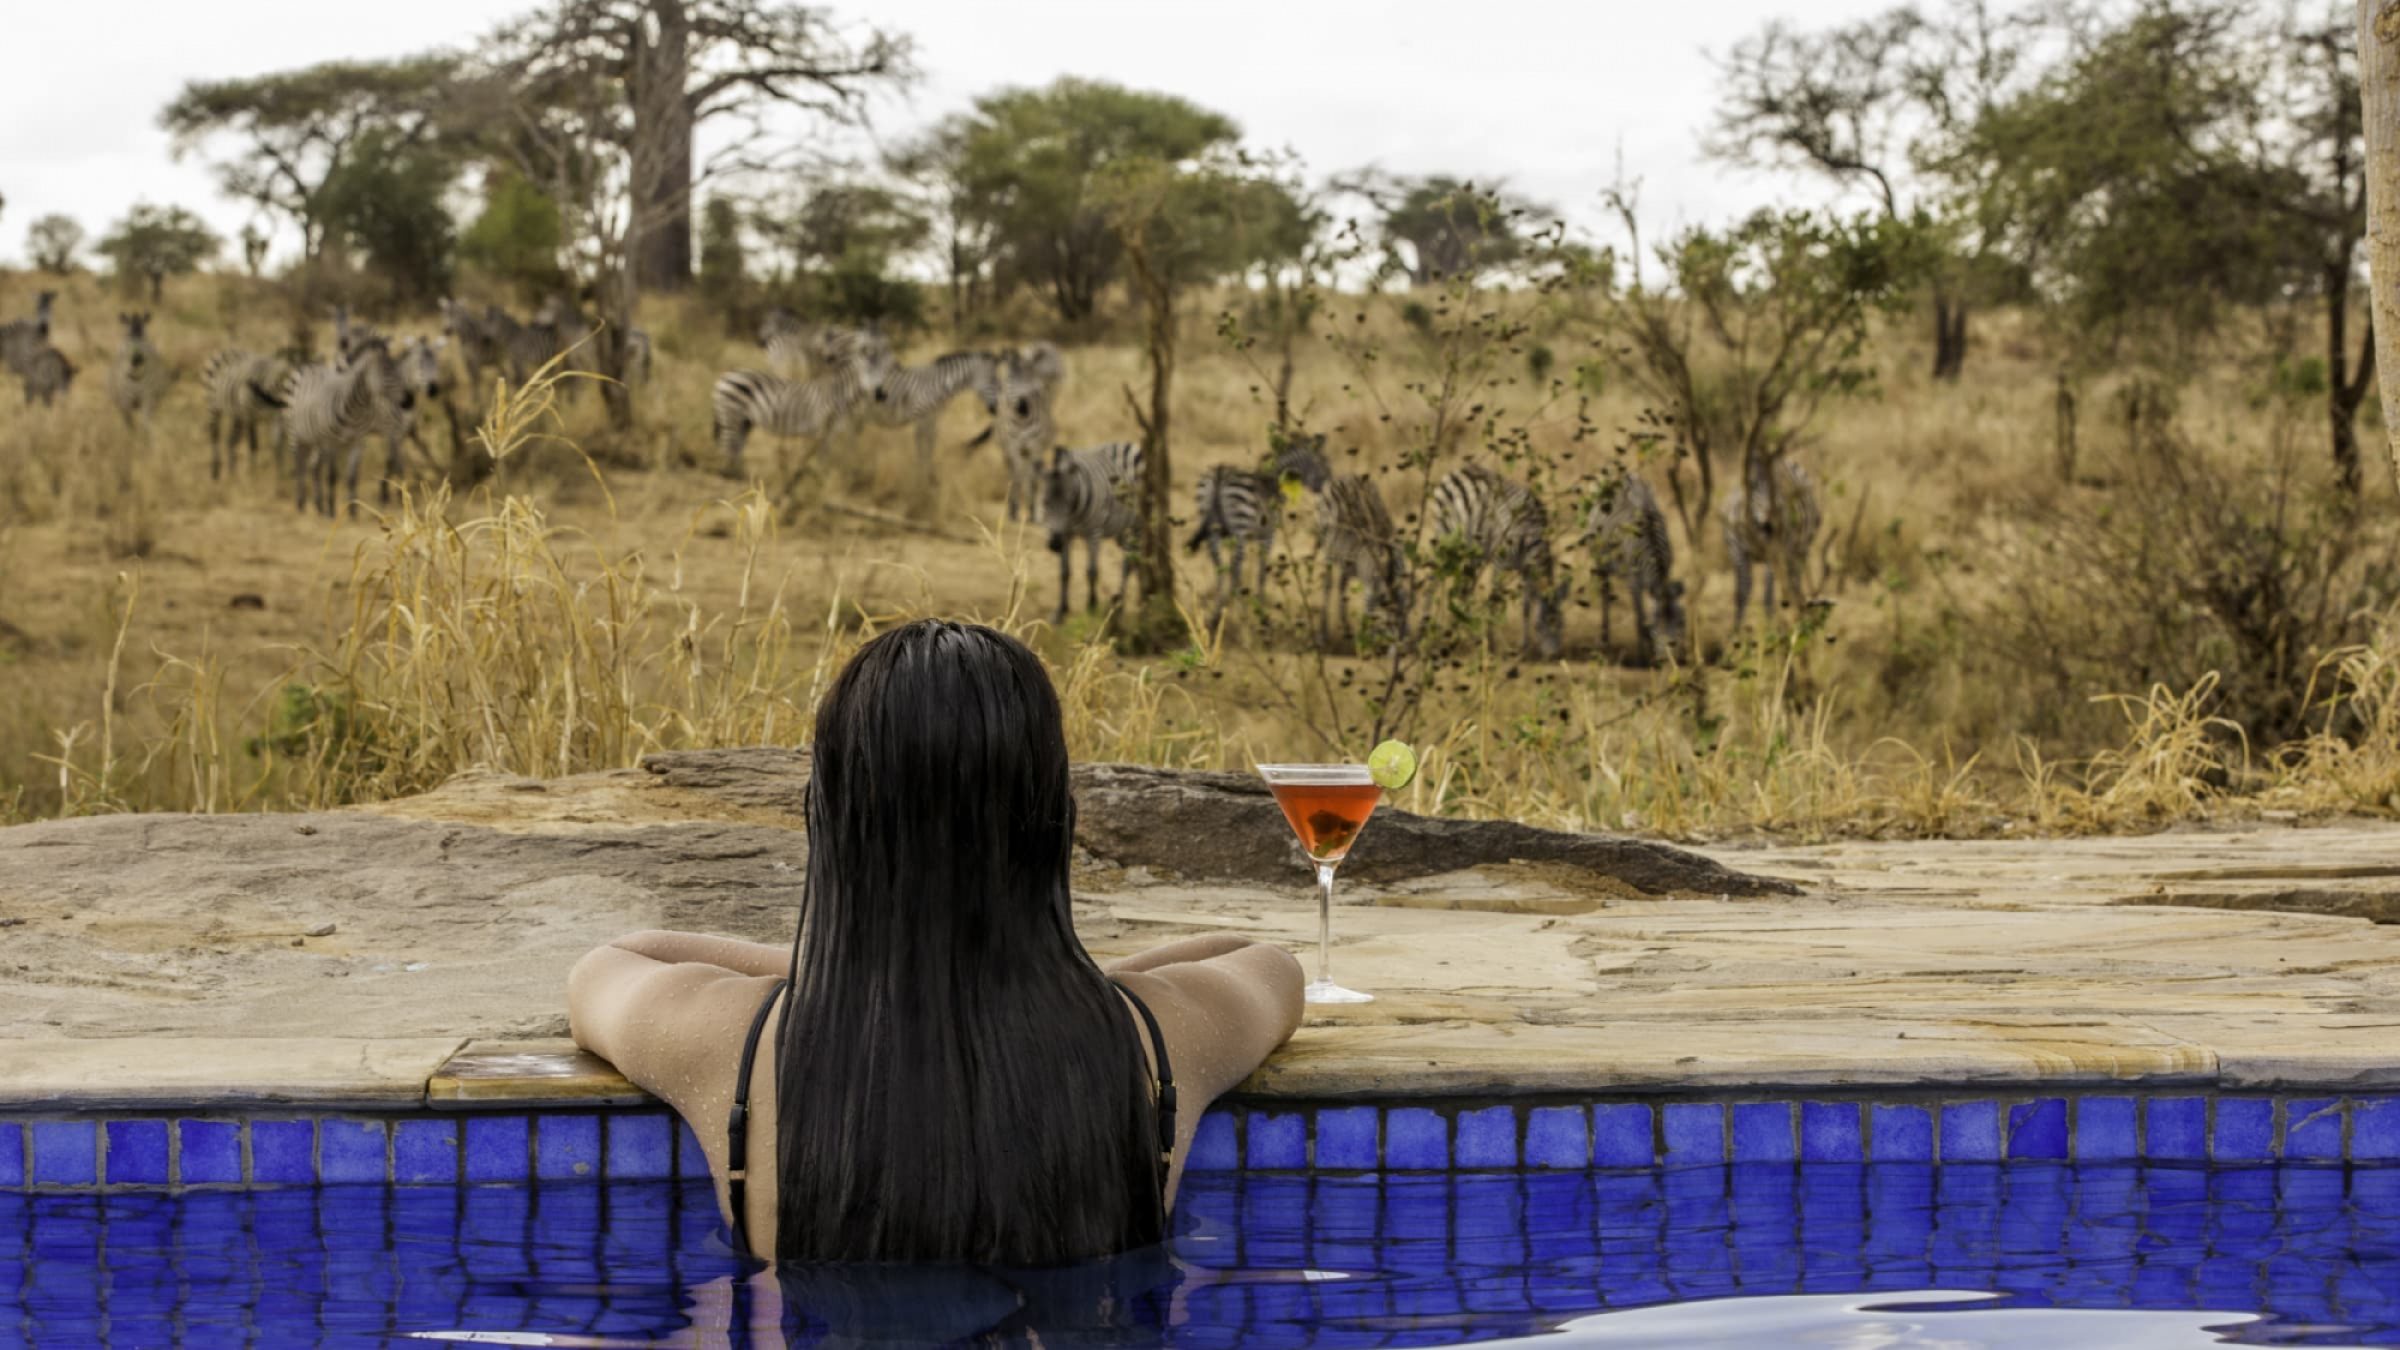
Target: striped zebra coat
[(1772, 521), (240, 389), (1245, 506), (1093, 495), (479, 347), (329, 411), (1627, 535), (46, 375), (1500, 524), (1356, 542), (914, 396), (23, 340), (815, 410), (419, 363), (1039, 363), (138, 377), (1021, 418)]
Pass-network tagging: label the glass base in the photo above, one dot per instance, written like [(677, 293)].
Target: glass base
[(1326, 991)]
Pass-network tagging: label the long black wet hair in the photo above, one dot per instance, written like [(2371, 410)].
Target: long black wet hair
[(955, 1080)]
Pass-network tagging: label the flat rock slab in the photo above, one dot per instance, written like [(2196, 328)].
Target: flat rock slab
[(2169, 960), (205, 1072)]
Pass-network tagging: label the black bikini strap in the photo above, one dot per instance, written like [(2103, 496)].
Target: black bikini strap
[(737, 1126), (1166, 1084)]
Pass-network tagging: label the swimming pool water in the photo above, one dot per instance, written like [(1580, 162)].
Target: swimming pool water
[(1883, 1254)]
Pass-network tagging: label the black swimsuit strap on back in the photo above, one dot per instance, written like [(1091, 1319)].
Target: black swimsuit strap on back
[(737, 1125), (1166, 1086), (737, 1117)]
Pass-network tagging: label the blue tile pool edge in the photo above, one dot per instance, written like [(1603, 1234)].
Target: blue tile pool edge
[(154, 1150)]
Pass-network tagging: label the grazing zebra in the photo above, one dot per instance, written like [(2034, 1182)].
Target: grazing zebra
[(22, 340), (329, 411), (139, 376), (747, 400), (1092, 495), (239, 387), (1356, 542), (1038, 363), (46, 374), (479, 347), (1627, 534), (915, 396), (1021, 416), (1772, 520), (1502, 524), (1246, 505)]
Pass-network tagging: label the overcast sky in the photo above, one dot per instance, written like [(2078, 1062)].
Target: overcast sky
[(1545, 95)]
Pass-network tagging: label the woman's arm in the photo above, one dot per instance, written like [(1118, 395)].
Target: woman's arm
[(1225, 1011), (1199, 948), (664, 1023), (743, 958)]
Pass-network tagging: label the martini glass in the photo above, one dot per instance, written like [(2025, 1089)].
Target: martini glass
[(1327, 805)]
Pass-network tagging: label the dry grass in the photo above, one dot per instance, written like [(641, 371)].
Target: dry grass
[(589, 611)]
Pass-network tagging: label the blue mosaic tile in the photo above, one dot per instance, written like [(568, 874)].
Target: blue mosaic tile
[(425, 1151), (2177, 1128), (499, 1148), (1970, 1132), (1695, 1132), (1415, 1139), (2245, 1130), (1901, 1134), (2038, 1129), (1558, 1136), (2107, 1129), (351, 1151), (2312, 1128), (641, 1147), (691, 1160), (1487, 1138), (1829, 1132), (566, 1147), (208, 1152), (12, 1153), (2375, 1129), (1621, 1135), (1213, 1145), (1277, 1141), (283, 1152), (137, 1152), (65, 1153), (1346, 1138), (1762, 1132)]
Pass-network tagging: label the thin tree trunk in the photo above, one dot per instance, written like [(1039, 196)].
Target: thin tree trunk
[(2379, 91), (2341, 398), (662, 112), (1158, 624)]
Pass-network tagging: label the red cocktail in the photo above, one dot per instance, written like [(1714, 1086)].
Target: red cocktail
[(1326, 806)]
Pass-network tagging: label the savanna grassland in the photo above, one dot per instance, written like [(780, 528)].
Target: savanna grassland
[(2181, 623)]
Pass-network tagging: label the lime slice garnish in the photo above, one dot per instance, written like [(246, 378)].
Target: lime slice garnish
[(1393, 765)]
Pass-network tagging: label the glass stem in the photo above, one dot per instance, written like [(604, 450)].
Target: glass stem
[(1325, 922)]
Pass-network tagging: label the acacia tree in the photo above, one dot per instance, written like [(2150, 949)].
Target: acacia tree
[(153, 243), (1436, 228), (295, 131), (52, 242), (680, 64), (2378, 39)]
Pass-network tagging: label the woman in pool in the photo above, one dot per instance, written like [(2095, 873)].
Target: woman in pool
[(947, 1076)]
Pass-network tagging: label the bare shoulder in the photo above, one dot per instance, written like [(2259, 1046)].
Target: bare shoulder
[(1223, 1009), (674, 1028)]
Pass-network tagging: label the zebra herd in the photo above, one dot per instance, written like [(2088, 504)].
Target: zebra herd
[(1483, 521)]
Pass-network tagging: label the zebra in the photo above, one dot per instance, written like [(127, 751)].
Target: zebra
[(1356, 542), (1502, 524), (1093, 495), (419, 362), (479, 346), (796, 348), (23, 340), (744, 400), (1021, 416), (1627, 534), (1772, 520), (1246, 505), (349, 336), (329, 411), (46, 375), (916, 395), (139, 376), (239, 387), (1039, 364)]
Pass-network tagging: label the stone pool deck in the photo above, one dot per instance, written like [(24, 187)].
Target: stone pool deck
[(414, 955)]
